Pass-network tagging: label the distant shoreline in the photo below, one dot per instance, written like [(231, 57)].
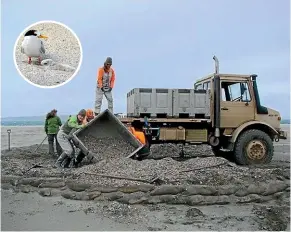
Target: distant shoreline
[(284, 124)]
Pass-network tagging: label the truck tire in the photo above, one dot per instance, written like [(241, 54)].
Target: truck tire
[(253, 147)]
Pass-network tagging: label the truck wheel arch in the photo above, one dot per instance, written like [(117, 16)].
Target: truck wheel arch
[(271, 131)]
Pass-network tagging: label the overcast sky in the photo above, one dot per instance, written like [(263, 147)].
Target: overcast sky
[(158, 44)]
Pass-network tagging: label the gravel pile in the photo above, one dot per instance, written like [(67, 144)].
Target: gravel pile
[(159, 151), (61, 47), (209, 170), (198, 150), (107, 148), (200, 170)]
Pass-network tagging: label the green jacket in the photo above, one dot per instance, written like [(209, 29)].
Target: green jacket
[(72, 123), (52, 125)]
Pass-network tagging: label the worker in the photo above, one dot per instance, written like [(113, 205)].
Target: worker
[(139, 135), (51, 128), (89, 116), (105, 84), (65, 136), (137, 130), (80, 155)]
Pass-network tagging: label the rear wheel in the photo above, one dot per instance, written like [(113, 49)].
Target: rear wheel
[(253, 147)]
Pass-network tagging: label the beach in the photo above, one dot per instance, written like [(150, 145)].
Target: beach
[(31, 135), (61, 48), (31, 207)]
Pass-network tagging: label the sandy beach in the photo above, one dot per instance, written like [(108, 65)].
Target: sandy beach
[(28, 205), (61, 47)]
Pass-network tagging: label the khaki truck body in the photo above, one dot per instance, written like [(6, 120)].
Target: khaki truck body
[(222, 110)]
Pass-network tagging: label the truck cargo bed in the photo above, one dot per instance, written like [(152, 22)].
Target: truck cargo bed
[(168, 103)]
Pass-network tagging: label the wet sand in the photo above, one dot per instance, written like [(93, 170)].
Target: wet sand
[(23, 211)]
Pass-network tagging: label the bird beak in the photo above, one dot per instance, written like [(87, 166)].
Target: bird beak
[(42, 37)]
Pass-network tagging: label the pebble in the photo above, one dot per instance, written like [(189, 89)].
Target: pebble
[(194, 212)]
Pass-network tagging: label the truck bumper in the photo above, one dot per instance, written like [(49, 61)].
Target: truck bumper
[(282, 134)]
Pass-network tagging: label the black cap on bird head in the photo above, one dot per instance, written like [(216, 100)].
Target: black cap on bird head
[(31, 33), (35, 33), (108, 61)]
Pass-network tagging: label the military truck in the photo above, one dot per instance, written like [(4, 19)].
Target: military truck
[(222, 110)]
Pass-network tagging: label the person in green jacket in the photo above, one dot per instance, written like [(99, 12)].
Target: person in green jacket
[(65, 136), (51, 127)]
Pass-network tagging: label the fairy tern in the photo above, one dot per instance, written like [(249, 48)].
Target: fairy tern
[(32, 46)]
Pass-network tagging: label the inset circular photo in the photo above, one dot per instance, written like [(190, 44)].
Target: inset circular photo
[(48, 54)]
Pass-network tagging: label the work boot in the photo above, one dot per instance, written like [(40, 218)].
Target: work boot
[(78, 159), (66, 162), (60, 160)]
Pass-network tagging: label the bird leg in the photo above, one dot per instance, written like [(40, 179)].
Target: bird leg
[(29, 60), (39, 60)]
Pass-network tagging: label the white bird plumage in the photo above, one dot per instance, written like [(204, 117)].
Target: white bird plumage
[(32, 46)]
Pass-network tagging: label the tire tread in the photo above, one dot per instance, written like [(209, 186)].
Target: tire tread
[(247, 135)]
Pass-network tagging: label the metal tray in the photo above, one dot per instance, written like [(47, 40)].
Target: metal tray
[(107, 124)]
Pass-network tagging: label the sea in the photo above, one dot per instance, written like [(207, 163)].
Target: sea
[(27, 121)]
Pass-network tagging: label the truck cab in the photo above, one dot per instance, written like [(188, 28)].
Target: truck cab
[(242, 126), (239, 103)]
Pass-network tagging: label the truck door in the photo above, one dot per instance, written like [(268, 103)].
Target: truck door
[(236, 104)]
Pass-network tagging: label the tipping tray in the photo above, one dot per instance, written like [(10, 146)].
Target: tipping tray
[(104, 125)]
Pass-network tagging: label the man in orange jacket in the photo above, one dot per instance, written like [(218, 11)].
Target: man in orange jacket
[(105, 84), (136, 129)]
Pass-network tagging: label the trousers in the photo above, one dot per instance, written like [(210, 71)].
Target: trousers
[(65, 144), (99, 98), (51, 139)]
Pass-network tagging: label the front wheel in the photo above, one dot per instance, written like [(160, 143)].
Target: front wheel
[(253, 147)]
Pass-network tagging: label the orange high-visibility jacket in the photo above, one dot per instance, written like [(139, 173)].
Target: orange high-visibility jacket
[(100, 76), (138, 134)]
